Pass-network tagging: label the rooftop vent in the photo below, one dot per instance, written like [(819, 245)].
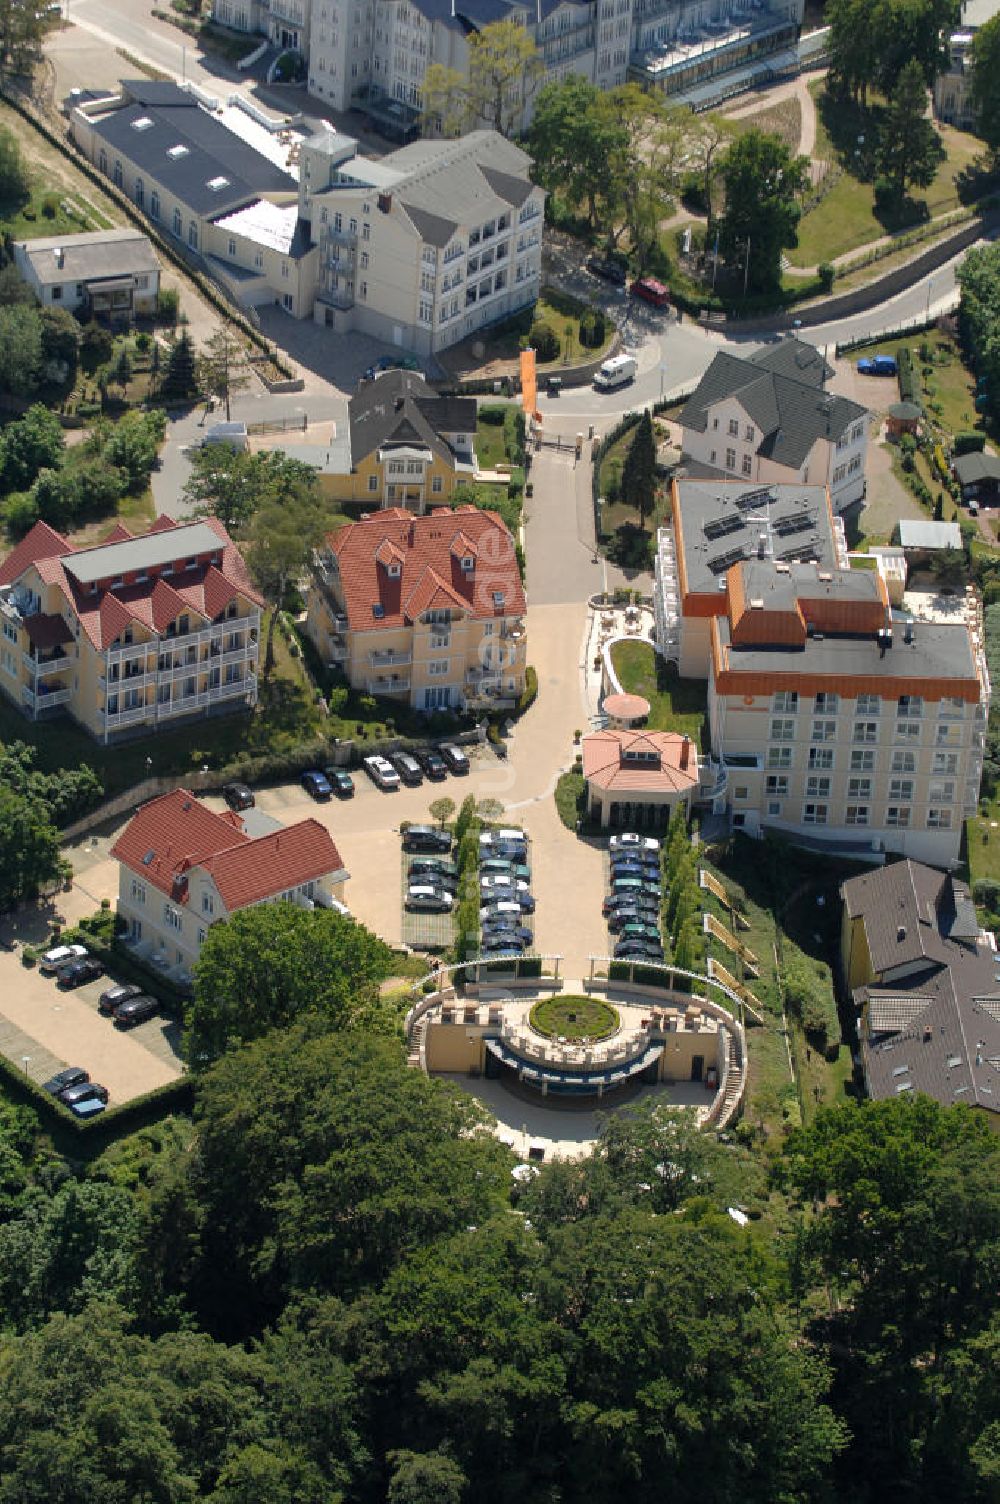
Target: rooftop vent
[(757, 604), (901, 932), (908, 631), (149, 857), (176, 152)]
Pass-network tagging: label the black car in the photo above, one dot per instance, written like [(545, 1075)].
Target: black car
[(455, 759), (433, 866), (342, 783), (426, 838), (115, 996), (621, 903), (73, 1075), (494, 930), (434, 766), (238, 796), (408, 768), (77, 973), (136, 1011), (85, 1091), (619, 918), (423, 876), (638, 950), (609, 271), (497, 949)]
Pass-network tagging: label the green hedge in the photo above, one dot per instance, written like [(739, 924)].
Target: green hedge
[(909, 386), (808, 985), (969, 443), (530, 693), (175, 1096)]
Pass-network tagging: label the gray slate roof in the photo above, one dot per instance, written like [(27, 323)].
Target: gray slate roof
[(447, 183), (96, 254), (976, 467), (790, 412), (109, 561), (936, 1029), (399, 408), (213, 151)]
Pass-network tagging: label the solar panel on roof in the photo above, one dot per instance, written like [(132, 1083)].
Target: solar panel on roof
[(793, 523), (803, 553), (758, 498), (722, 562), (718, 527)]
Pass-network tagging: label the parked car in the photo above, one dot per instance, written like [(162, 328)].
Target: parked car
[(78, 972), (238, 796), (651, 291), (427, 900), (524, 901), (423, 877), (381, 772), (59, 956), (455, 759), (877, 365), (433, 764), (502, 866), (637, 950), (494, 951), (426, 838), (628, 840), (408, 768), (340, 781), (500, 911), (553, 386), (136, 1011), (494, 882), (90, 1107), (84, 1092), (71, 1075), (433, 865), (494, 929), (507, 836), (620, 919), (636, 885), (316, 783), (636, 930), (623, 865), (610, 271), (115, 996)]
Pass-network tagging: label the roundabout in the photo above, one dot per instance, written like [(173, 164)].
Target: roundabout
[(575, 1019)]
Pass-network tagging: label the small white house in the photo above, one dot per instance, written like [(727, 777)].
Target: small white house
[(111, 274)]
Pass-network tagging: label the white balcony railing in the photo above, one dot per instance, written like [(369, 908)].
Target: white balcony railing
[(391, 660)]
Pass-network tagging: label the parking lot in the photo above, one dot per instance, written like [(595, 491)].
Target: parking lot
[(43, 1028)]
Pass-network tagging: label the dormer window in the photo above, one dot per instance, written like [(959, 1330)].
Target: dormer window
[(468, 563), (498, 598), (393, 571), (117, 584)]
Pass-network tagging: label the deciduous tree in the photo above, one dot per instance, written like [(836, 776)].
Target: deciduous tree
[(285, 529), (763, 181), (986, 82), (30, 858), (223, 366), (504, 72)]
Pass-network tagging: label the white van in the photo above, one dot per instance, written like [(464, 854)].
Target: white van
[(616, 372)]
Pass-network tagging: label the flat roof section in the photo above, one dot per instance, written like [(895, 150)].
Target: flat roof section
[(936, 652), (714, 526), (112, 560)]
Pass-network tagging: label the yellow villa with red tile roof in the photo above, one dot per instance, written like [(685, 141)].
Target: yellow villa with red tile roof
[(429, 609)]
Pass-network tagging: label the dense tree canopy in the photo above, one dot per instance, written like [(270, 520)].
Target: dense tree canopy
[(763, 182), (872, 41), (910, 150), (268, 965), (986, 82)]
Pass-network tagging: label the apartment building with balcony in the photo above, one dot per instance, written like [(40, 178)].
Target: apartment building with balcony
[(183, 868), (427, 245), (427, 609), (409, 447), (769, 420), (136, 634), (846, 726)]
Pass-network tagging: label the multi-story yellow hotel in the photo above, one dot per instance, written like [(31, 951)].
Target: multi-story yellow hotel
[(135, 634)]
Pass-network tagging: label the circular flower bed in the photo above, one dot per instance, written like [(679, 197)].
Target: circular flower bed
[(574, 1018)]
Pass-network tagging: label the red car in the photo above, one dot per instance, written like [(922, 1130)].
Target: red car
[(651, 291)]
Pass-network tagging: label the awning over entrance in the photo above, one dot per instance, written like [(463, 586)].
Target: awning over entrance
[(584, 1082)]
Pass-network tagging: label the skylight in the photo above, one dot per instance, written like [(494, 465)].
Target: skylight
[(175, 152), (216, 184), (142, 124)]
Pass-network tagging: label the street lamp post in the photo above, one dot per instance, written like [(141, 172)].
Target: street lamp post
[(930, 284), (746, 269)]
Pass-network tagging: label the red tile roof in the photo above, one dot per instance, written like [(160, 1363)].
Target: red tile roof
[(206, 590), (607, 766), (431, 574), (43, 542), (171, 835), (274, 863)]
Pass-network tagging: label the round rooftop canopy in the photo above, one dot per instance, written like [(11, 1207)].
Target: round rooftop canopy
[(905, 412), (626, 707)]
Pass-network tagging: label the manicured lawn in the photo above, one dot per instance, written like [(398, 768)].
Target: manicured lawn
[(574, 1018), (845, 218), (557, 309), (491, 448), (983, 841), (675, 704)]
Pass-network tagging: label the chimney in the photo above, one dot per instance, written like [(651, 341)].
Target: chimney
[(399, 404), (901, 933), (908, 630), (685, 752), (762, 545)]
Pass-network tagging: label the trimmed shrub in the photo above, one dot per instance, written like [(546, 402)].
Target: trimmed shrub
[(809, 996), (530, 692), (545, 341), (969, 443)]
